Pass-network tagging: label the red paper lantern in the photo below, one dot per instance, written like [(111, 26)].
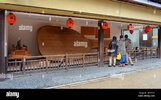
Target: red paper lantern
[(69, 23), (104, 25), (130, 27), (147, 29), (11, 18)]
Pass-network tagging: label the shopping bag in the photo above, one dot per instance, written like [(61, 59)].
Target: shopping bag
[(118, 57), (123, 59)]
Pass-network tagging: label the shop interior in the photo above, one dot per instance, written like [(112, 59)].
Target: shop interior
[(36, 34)]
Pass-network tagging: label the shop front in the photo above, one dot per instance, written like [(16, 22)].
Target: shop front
[(44, 42), (52, 40), (38, 41)]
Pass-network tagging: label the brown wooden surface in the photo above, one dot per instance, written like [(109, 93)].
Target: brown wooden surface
[(106, 33), (19, 54), (159, 42), (95, 43), (86, 30), (52, 40)]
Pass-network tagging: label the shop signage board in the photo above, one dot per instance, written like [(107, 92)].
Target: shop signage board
[(145, 37)]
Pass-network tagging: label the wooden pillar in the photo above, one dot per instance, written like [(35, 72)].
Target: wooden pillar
[(2, 43), (159, 42), (100, 45)]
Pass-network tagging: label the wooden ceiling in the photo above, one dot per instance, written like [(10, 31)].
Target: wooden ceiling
[(82, 14)]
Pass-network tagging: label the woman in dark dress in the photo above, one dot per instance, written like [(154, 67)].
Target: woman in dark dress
[(112, 51)]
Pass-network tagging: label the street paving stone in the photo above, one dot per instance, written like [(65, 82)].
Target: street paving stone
[(60, 77)]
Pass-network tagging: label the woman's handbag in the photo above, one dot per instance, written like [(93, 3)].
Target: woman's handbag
[(111, 50), (118, 57)]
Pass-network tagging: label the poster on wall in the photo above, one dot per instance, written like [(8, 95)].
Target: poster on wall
[(145, 37)]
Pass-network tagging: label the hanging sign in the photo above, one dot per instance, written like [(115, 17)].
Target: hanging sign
[(145, 37)]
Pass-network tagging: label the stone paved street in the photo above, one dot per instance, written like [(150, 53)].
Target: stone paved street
[(58, 78), (143, 79)]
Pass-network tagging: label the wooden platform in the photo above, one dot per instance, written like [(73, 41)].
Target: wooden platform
[(19, 54)]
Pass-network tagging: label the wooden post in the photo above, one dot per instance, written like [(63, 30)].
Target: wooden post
[(3, 65), (159, 42), (83, 59), (23, 65), (100, 44), (66, 61), (6, 64), (47, 65)]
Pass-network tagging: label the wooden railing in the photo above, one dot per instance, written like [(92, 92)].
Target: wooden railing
[(69, 60), (144, 53), (52, 62)]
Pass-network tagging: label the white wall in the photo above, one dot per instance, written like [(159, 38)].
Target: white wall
[(115, 30)]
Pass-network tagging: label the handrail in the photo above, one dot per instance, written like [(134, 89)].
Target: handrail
[(68, 60), (45, 56), (52, 61)]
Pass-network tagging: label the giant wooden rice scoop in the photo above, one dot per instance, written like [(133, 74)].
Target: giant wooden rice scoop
[(57, 40)]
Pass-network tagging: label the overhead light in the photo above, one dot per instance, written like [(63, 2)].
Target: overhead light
[(121, 25), (29, 14), (50, 18), (86, 23), (43, 11), (80, 11)]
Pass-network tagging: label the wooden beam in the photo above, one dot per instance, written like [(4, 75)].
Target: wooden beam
[(61, 12), (159, 42), (100, 45), (2, 42)]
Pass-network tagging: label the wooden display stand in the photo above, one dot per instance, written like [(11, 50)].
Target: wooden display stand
[(19, 52)]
